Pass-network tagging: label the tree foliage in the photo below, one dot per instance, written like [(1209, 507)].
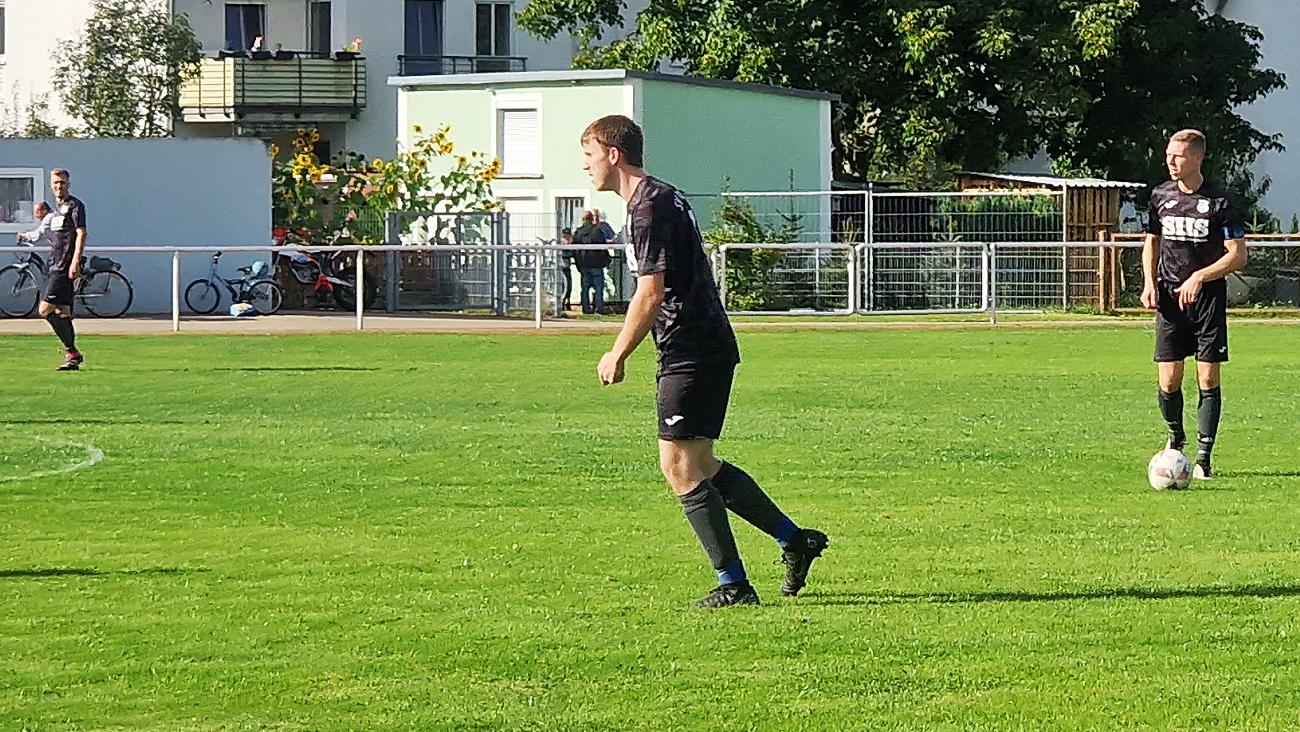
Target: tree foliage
[(122, 77), (930, 87)]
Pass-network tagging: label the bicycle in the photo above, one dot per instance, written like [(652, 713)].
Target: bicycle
[(328, 275), (102, 290), (254, 287)]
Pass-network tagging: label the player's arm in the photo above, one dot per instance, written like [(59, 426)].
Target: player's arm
[(79, 250), (1233, 259), (641, 313), (1150, 250)]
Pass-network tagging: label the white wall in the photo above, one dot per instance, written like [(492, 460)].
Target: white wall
[(1278, 20), (31, 39), (161, 193), (381, 25)]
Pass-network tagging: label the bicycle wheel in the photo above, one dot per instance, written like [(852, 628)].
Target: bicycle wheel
[(345, 296), (202, 297), (106, 294), (265, 297), (19, 292)]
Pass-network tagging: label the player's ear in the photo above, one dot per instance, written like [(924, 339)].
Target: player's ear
[(614, 154)]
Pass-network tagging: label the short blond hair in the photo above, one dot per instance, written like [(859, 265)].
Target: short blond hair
[(60, 173), (1194, 139)]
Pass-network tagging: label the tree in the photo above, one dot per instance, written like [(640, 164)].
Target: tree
[(122, 78), (927, 88)]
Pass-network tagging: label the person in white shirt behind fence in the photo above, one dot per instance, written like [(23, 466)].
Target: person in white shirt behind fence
[(42, 213)]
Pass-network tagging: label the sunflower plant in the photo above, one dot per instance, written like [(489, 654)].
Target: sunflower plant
[(345, 200)]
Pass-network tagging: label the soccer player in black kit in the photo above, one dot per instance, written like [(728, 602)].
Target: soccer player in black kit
[(677, 298), (1194, 238), (68, 230)]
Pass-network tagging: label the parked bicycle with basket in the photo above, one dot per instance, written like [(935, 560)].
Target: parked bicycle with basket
[(102, 290), (254, 286)]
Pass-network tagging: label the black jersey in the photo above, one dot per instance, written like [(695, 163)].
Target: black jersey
[(1192, 228), (691, 330), (69, 215)]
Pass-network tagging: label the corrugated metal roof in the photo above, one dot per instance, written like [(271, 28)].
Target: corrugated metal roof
[(1052, 181)]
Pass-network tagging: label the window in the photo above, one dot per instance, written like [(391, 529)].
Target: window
[(492, 29), (423, 27), (2, 30), (244, 23), (20, 188), (321, 34), (519, 141)]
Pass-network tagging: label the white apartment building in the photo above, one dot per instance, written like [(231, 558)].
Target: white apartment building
[(350, 101), (1279, 112)]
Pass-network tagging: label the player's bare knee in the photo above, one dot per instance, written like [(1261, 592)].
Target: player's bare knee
[(1207, 376)]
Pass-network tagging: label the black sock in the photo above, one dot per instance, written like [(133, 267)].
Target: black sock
[(707, 515), (1171, 408), (1207, 422), (63, 329), (747, 500)]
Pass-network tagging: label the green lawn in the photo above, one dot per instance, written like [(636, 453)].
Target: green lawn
[(384, 532)]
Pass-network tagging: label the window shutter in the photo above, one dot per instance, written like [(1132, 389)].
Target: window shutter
[(521, 142)]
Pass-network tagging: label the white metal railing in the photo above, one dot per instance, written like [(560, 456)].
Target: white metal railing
[(845, 278)]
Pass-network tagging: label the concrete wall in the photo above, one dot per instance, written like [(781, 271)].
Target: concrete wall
[(160, 193)]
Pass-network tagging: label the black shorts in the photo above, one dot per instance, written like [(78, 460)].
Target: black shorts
[(58, 289), (693, 405), (1200, 330)]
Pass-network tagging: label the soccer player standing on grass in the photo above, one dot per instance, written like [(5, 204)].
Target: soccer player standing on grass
[(1195, 237), (68, 228), (677, 299)]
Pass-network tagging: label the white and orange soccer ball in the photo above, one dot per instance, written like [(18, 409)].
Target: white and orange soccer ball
[(1169, 470)]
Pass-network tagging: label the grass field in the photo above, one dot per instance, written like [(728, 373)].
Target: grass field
[(385, 532)]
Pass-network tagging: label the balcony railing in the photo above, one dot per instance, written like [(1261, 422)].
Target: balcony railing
[(437, 65), (306, 87)]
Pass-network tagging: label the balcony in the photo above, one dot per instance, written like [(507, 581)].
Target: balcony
[(438, 65), (304, 88)]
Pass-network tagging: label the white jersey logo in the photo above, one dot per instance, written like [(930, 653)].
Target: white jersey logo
[(1185, 228), (1203, 206), (673, 420)]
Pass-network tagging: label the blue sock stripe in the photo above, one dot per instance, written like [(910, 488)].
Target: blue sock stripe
[(732, 573), (785, 530)]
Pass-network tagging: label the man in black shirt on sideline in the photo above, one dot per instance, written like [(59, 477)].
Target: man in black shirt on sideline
[(677, 298)]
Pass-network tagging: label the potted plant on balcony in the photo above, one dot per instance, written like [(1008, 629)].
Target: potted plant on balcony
[(282, 54), (350, 52)]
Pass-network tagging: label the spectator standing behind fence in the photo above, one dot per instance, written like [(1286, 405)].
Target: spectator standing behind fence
[(566, 259), (592, 264), (603, 225)]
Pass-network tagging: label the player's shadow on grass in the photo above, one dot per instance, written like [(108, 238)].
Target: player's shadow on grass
[(88, 420), (1117, 593), (1258, 474), (48, 572), (292, 369)]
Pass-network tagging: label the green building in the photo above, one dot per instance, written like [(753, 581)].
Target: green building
[(702, 135)]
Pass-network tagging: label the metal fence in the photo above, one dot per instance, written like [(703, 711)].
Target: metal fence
[(920, 251), (967, 277), (764, 278)]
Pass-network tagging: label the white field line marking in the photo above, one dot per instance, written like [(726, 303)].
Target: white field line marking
[(93, 456)]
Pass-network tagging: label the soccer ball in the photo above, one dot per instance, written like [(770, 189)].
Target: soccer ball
[(1169, 469)]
